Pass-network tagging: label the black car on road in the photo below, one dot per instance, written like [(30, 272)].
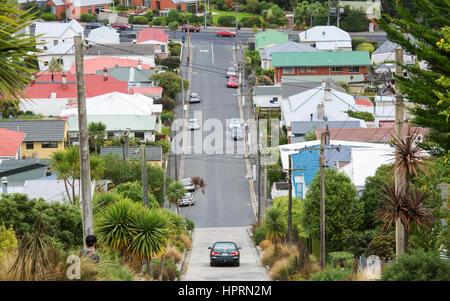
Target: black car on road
[(127, 33), (224, 252), (93, 25)]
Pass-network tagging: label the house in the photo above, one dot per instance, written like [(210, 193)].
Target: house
[(17, 172), (386, 52), (114, 103), (266, 96), (153, 92), (103, 35), (299, 129), (153, 153), (141, 126), (290, 46), (134, 76), (270, 38), (372, 135), (372, 8), (180, 5), (63, 53), (155, 37), (92, 65), (49, 94), (143, 52), (317, 103), (279, 189), (10, 144), (49, 34), (352, 64), (358, 160), (74, 8), (289, 88), (42, 137), (326, 38)]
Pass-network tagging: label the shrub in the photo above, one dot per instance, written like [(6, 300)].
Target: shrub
[(133, 191), (48, 17), (336, 274), (173, 254), (250, 21), (166, 116), (273, 26), (8, 241), (418, 266), (167, 103), (383, 246), (342, 260), (103, 21), (190, 225), (280, 270), (374, 43), (179, 245), (265, 244), (226, 21), (149, 15), (170, 270), (186, 241), (140, 20), (174, 48), (259, 235), (102, 200), (269, 256), (356, 41), (159, 21), (171, 62), (367, 116), (365, 47), (87, 18)]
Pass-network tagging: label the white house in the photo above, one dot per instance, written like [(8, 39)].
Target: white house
[(155, 37), (103, 35), (52, 34), (316, 104), (139, 52), (63, 53), (386, 53), (266, 96), (326, 38)]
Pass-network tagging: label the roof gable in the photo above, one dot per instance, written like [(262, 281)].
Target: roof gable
[(152, 34), (10, 142), (270, 37), (92, 65), (320, 59), (324, 33), (38, 130)]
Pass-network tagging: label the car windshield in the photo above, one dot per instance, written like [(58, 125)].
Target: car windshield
[(231, 69), (192, 120), (225, 247), (194, 95), (234, 80), (187, 196), (186, 181)]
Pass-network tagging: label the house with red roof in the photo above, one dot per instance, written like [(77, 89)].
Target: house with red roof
[(92, 65), (154, 37), (74, 8), (48, 94), (10, 144), (153, 92)]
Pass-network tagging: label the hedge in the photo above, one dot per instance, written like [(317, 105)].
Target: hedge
[(226, 21), (159, 21), (87, 18), (48, 17), (139, 20), (366, 116)]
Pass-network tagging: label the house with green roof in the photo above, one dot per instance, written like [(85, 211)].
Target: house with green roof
[(328, 64), (141, 126), (270, 38), (136, 77)]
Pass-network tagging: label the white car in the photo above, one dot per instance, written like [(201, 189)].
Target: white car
[(186, 200), (193, 124), (194, 97), (235, 123), (231, 71), (187, 182)]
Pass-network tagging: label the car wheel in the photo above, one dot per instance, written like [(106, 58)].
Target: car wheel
[(211, 264), (237, 264)]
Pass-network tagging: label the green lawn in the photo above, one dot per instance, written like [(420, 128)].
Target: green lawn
[(229, 13)]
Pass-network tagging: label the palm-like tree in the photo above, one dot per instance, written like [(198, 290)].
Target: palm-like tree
[(175, 192), (54, 66), (275, 225), (16, 50), (199, 185), (173, 26), (96, 132)]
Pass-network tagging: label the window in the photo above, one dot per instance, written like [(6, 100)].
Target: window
[(308, 69), (89, 10), (302, 69), (139, 135), (178, 7), (353, 69), (288, 70), (30, 145), (163, 48), (158, 5), (110, 135), (98, 8), (55, 42), (275, 100), (49, 144), (61, 61), (337, 69)]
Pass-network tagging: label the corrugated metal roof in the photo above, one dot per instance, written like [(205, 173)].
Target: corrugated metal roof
[(37, 130), (118, 122), (304, 127), (152, 152), (320, 78), (270, 37), (289, 46), (320, 59), (123, 74), (121, 49), (266, 90), (18, 171)]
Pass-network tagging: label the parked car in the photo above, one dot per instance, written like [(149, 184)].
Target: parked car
[(237, 134), (121, 26), (93, 25), (231, 71), (232, 82), (187, 200), (193, 124), (235, 123), (187, 182), (128, 34), (191, 28), (225, 33), (194, 97), (224, 252)]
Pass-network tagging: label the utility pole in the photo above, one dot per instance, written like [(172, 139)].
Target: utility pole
[(235, 36), (85, 167), (328, 13), (204, 12), (310, 13), (126, 144), (289, 233), (338, 13), (322, 201), (144, 176), (165, 160), (400, 182)]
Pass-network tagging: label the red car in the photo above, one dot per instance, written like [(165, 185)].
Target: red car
[(232, 82), (120, 26), (191, 28), (225, 33)]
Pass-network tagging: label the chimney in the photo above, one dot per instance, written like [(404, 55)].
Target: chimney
[(311, 117), (139, 65), (327, 135), (48, 172), (324, 83), (64, 81), (320, 111), (327, 92), (105, 73), (33, 79), (5, 185)]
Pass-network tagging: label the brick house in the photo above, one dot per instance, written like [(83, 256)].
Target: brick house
[(74, 8), (327, 64)]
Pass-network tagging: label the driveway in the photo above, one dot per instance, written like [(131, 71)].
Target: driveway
[(250, 268)]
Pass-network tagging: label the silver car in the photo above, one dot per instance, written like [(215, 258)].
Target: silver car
[(187, 200), (193, 124), (194, 97), (231, 71), (187, 182), (235, 123)]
